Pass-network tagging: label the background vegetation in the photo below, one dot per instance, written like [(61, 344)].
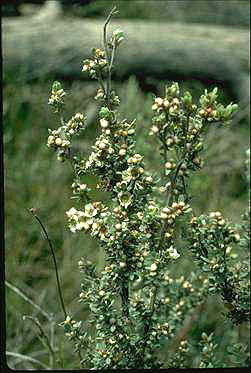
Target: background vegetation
[(33, 178)]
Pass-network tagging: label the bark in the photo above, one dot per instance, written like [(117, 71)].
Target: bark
[(49, 44)]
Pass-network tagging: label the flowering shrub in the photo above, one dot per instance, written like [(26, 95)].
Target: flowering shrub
[(136, 305)]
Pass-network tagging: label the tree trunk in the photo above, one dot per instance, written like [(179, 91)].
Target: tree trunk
[(53, 45)]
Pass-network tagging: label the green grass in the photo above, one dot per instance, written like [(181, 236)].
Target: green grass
[(34, 178)]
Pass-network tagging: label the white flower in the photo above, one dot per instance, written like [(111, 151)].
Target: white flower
[(149, 179), (237, 237), (90, 210), (166, 210), (58, 141), (72, 229), (136, 158), (67, 320), (153, 267), (163, 215), (79, 116), (71, 212), (125, 198), (65, 143), (50, 140), (173, 253), (122, 152), (158, 101), (166, 103), (102, 145), (95, 226), (154, 129), (82, 186), (140, 215), (104, 123), (118, 227), (82, 225), (168, 165)]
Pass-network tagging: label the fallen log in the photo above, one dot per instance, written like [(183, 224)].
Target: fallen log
[(54, 45)]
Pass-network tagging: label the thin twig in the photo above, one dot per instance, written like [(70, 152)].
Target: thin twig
[(108, 83), (24, 357), (54, 260), (182, 334), (149, 318), (45, 338), (112, 12), (21, 294)]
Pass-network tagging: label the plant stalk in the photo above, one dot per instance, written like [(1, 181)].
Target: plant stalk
[(54, 261)]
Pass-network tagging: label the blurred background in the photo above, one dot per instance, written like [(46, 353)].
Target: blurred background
[(33, 176)]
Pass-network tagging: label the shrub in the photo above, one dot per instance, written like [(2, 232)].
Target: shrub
[(138, 305)]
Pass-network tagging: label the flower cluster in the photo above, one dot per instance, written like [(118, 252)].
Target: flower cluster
[(60, 139), (101, 97), (117, 38), (176, 209), (211, 110), (72, 328), (208, 358), (57, 141), (92, 219), (96, 65), (173, 253), (179, 125), (79, 188), (211, 234), (57, 97)]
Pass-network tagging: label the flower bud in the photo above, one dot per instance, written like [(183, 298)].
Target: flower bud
[(149, 179), (187, 100), (104, 112), (56, 86), (102, 145), (122, 152), (118, 36), (118, 227), (168, 165)]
